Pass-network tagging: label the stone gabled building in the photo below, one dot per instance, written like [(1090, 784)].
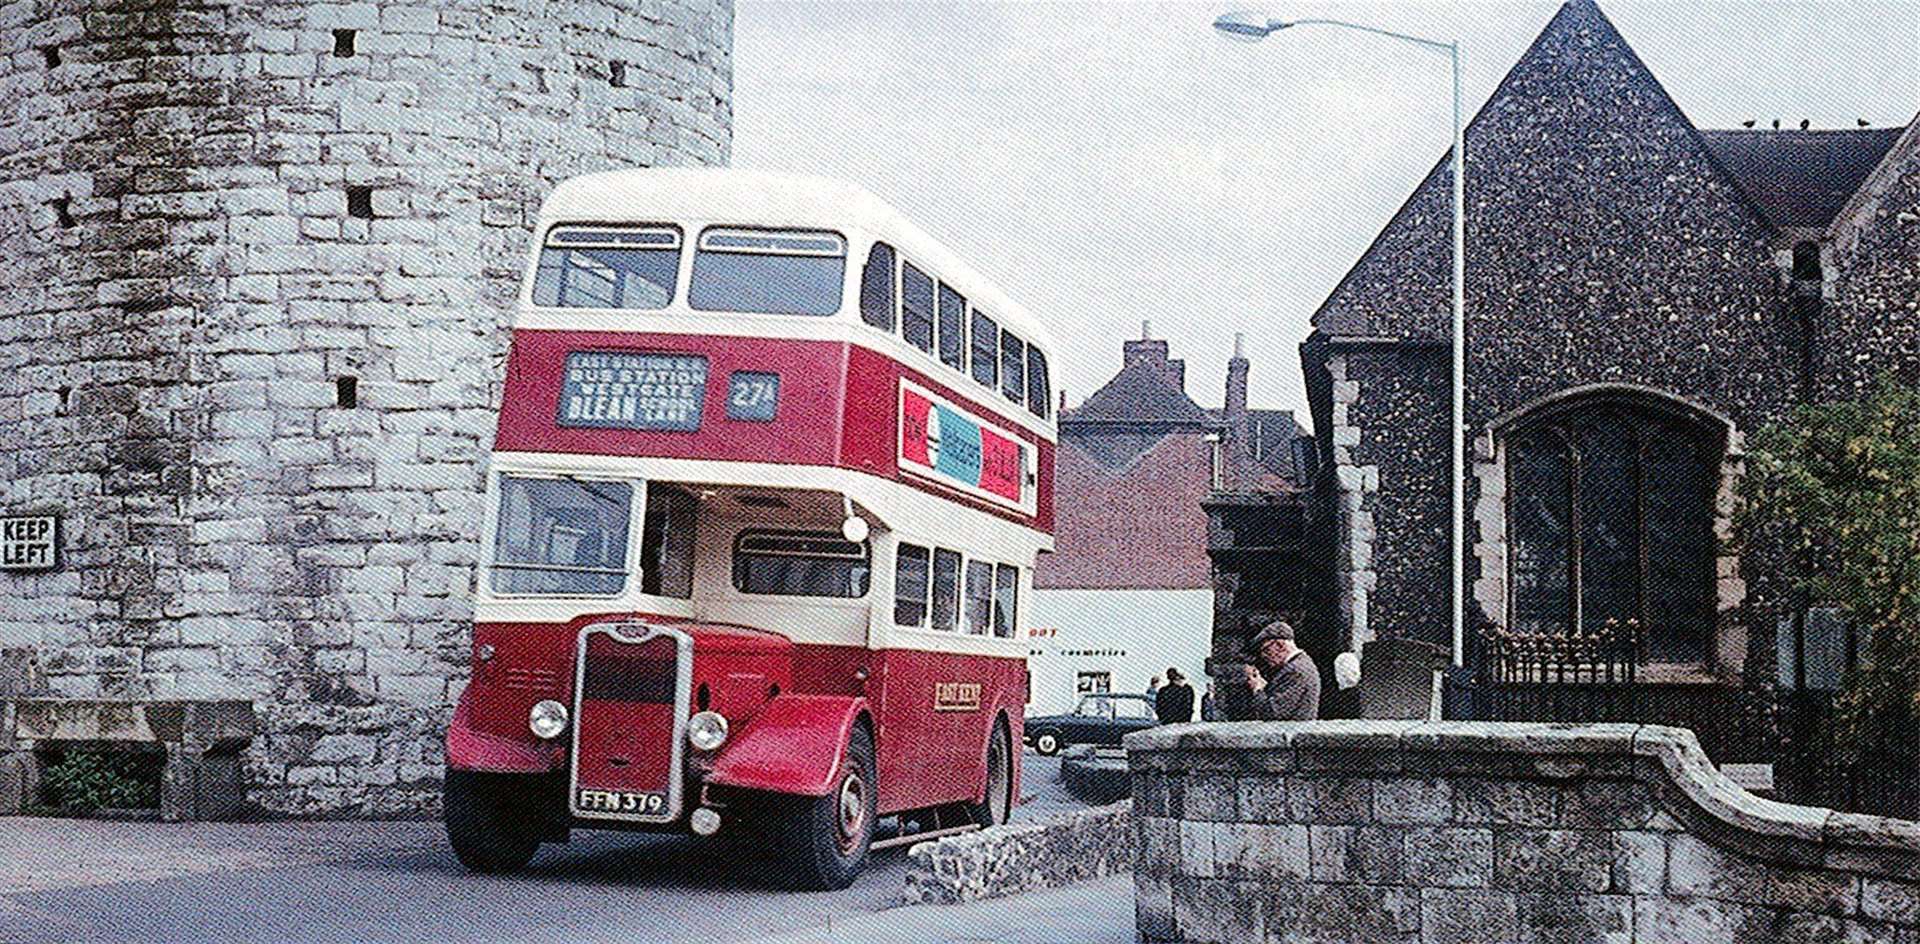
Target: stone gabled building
[(1641, 296)]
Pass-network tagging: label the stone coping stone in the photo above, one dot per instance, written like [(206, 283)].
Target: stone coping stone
[(203, 722), (1050, 852), (1811, 834)]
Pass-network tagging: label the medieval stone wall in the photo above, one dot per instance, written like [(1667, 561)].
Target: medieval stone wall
[(1458, 833), (259, 257)]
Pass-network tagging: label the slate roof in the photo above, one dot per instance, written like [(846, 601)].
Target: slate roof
[(1800, 178), (1140, 392)]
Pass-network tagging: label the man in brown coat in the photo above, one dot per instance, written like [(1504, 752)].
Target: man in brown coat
[(1286, 686)]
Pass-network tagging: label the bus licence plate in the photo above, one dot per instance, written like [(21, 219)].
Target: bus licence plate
[(620, 801)]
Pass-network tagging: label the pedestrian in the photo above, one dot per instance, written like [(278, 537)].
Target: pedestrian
[(1153, 686), (1210, 706), (1173, 704), (1286, 684)]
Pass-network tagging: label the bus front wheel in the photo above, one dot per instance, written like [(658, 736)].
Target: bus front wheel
[(827, 838), (487, 833)]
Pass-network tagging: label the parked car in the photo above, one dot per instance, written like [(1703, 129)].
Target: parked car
[(1099, 718)]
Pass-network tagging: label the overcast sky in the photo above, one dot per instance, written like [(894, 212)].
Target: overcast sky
[(1112, 163)]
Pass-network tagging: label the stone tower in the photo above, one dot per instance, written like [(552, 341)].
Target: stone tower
[(258, 256)]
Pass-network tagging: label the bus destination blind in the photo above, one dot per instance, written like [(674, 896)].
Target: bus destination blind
[(626, 390)]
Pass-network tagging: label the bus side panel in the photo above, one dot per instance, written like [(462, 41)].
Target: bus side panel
[(870, 441), (936, 714), (830, 670)]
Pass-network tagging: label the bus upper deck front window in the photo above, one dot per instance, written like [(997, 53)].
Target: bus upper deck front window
[(633, 267), (561, 536), (779, 272)]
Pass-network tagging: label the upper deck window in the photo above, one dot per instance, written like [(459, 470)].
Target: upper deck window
[(876, 288), (1039, 391), (634, 267), (1013, 360), (779, 272), (916, 307), (953, 328), (800, 564), (986, 348), (561, 536)]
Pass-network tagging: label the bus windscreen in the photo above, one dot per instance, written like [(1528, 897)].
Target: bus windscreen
[(777, 272), (608, 267)]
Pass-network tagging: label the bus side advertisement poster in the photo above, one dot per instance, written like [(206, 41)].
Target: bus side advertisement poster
[(941, 442)]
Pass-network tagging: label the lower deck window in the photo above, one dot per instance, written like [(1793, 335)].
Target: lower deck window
[(946, 590), (666, 542), (800, 564), (1006, 600), (561, 536), (979, 597), (910, 573)]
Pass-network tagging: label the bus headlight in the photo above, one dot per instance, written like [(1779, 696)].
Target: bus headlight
[(547, 719), (707, 730)]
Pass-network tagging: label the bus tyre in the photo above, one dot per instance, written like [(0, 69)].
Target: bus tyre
[(1047, 743), (487, 833), (827, 838), (997, 805)]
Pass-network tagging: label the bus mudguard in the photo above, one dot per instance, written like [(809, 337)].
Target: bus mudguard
[(793, 745), (468, 749)]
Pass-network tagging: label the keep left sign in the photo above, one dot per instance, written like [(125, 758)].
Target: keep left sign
[(29, 542)]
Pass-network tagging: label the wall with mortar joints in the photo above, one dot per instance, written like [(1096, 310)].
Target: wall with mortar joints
[(190, 284)]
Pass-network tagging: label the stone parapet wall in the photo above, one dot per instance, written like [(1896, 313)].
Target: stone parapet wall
[(1475, 832), (1022, 857), (259, 255)]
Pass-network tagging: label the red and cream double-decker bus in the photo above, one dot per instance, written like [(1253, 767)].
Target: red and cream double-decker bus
[(771, 473)]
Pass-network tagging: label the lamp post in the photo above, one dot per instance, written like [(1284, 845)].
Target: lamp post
[(1253, 27)]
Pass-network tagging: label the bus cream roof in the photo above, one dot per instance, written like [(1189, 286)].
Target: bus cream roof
[(721, 195)]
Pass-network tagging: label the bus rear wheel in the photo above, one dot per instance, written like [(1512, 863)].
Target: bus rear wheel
[(487, 833), (996, 806), (826, 839)]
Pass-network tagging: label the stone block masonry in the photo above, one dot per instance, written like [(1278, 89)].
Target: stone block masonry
[(1458, 832), (259, 257)]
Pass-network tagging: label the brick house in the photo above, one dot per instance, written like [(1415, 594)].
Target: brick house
[(1641, 296), (1129, 589)]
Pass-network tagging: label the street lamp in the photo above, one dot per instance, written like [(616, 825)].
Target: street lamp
[(1251, 27)]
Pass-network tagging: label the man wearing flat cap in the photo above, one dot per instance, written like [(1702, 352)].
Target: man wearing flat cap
[(1286, 684)]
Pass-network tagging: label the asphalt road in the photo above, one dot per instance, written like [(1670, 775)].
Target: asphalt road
[(398, 882)]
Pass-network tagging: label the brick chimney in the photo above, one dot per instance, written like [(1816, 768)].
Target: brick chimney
[(1154, 354), (1239, 433)]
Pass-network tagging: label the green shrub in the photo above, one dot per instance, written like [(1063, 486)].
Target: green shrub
[(83, 781), (1842, 481)]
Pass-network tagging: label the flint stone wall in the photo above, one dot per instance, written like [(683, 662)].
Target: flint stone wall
[(1447, 832), (259, 254), (1022, 857)]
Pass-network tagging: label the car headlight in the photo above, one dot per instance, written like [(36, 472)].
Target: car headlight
[(707, 730), (547, 719)]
